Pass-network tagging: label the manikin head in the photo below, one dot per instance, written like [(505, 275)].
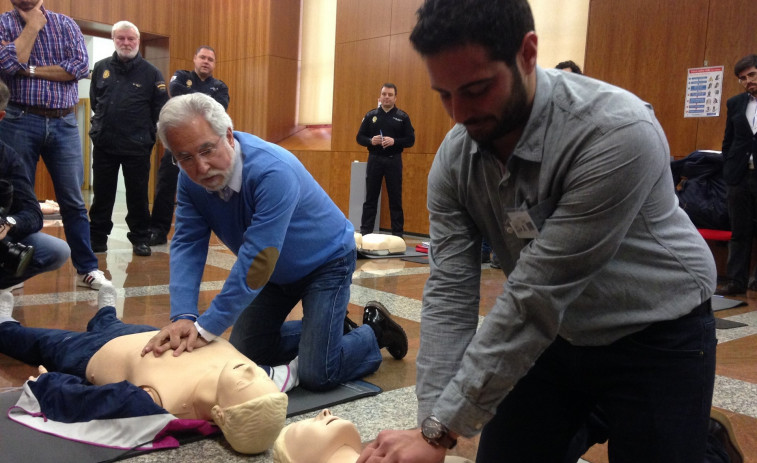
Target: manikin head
[(199, 133), (325, 438), (126, 40), (249, 408)]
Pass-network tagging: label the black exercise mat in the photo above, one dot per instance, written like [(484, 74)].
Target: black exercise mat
[(723, 303), (20, 443), (723, 324), (409, 252), (304, 401), (417, 259)]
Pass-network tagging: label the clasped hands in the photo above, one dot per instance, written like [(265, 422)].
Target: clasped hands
[(180, 336), (383, 141)]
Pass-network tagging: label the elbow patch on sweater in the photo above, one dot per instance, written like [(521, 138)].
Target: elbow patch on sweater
[(262, 267)]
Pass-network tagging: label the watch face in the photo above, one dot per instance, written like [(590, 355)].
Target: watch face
[(432, 428), (11, 221)]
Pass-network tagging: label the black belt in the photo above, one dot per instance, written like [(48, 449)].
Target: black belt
[(42, 111)]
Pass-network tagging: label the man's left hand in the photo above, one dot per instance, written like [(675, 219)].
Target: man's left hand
[(387, 141), (180, 336), (401, 447)]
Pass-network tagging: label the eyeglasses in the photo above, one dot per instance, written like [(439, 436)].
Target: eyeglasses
[(187, 160), (752, 76)]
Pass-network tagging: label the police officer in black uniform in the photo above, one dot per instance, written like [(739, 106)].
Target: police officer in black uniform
[(386, 131), (127, 94), (183, 82)]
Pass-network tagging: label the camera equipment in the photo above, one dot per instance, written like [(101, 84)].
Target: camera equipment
[(14, 257)]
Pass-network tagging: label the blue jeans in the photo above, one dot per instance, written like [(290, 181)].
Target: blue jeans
[(654, 388), (57, 141), (62, 350), (327, 357), (49, 254)]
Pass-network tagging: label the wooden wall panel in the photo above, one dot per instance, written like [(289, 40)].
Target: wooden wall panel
[(246, 79), (732, 38), (191, 31), (240, 28), (649, 55), (403, 15), (284, 29), (362, 19), (281, 115), (151, 16), (360, 69)]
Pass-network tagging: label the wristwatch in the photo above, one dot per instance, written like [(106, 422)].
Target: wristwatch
[(436, 433), (32, 71), (10, 221)]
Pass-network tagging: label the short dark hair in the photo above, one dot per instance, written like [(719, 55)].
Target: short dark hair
[(390, 85), (569, 64), (204, 47), (5, 95), (745, 63), (497, 25)]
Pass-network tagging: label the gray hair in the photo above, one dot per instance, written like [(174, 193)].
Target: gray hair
[(5, 95), (123, 25), (180, 109)]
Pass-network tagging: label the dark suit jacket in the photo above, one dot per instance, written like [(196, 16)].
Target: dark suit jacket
[(738, 141)]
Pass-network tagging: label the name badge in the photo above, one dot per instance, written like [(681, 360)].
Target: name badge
[(522, 225)]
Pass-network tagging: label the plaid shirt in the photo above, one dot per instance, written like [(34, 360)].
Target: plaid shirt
[(60, 43)]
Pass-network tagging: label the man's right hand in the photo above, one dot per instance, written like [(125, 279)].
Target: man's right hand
[(180, 336), (34, 18)]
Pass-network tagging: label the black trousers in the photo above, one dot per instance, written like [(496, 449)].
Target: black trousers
[(165, 196), (742, 211), (136, 171), (379, 168)]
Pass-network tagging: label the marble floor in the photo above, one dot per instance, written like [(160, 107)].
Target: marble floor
[(53, 300)]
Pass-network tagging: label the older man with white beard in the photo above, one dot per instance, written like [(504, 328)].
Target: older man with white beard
[(126, 94)]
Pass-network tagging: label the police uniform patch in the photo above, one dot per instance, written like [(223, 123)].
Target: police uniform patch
[(374, 119), (106, 74), (189, 83), (161, 86)]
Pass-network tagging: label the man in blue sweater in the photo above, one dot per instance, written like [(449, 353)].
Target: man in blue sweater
[(292, 244)]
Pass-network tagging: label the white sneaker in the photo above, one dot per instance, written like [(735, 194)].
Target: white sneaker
[(94, 279), (6, 306), (14, 287), (106, 295)]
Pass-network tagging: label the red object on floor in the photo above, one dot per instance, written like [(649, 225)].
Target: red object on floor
[(421, 248), (715, 235)]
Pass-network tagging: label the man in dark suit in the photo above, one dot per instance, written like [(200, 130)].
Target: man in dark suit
[(739, 154)]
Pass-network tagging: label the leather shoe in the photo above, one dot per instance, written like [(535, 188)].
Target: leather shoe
[(389, 333), (730, 289), (142, 249), (349, 325), (722, 430), (157, 239)]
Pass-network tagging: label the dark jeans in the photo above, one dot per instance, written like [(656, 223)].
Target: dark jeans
[(742, 212), (165, 196), (56, 140), (105, 166), (654, 388), (389, 168), (62, 350), (327, 357)]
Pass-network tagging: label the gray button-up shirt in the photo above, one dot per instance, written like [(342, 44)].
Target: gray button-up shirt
[(614, 252)]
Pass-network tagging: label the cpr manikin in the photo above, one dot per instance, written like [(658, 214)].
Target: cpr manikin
[(325, 438), (379, 244), (216, 383)]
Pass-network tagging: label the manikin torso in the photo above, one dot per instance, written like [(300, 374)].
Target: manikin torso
[(186, 385)]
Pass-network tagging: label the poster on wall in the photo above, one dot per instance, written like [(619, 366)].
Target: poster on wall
[(703, 91)]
